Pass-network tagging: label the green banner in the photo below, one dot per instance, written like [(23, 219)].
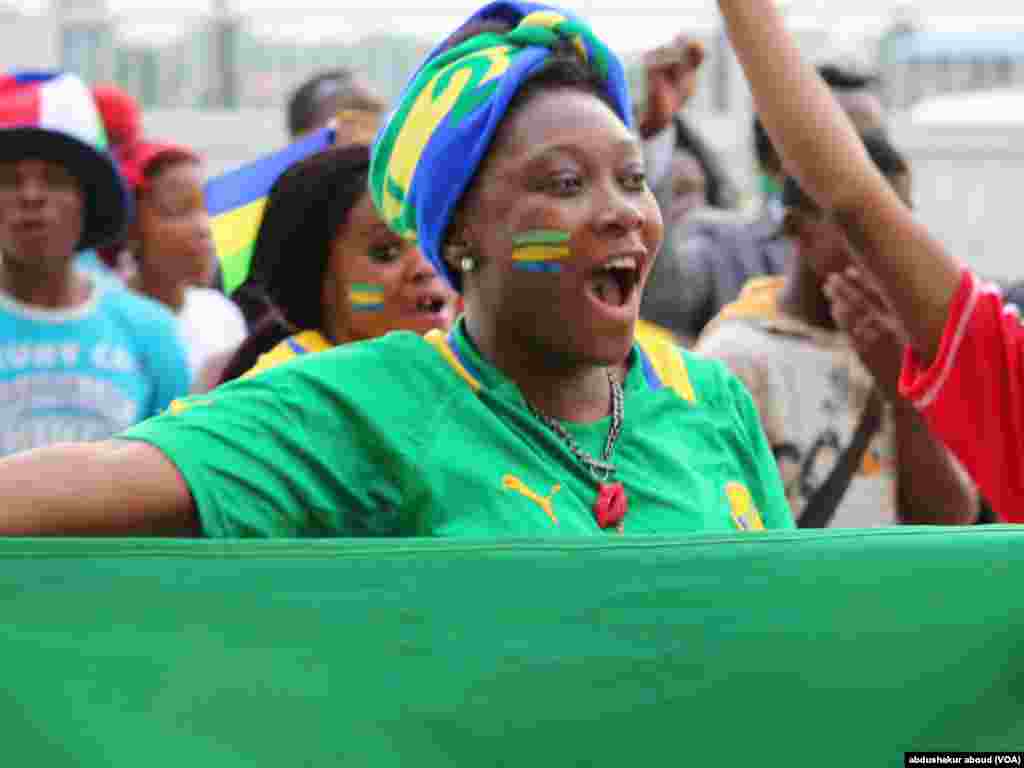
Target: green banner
[(837, 648)]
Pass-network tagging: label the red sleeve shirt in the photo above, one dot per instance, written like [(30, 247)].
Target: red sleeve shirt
[(972, 395)]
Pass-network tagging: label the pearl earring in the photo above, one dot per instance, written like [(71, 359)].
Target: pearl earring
[(460, 253)]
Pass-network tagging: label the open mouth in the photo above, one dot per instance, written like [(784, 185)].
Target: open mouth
[(431, 305), (615, 283)]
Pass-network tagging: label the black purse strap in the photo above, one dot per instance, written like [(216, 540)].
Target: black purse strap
[(821, 507)]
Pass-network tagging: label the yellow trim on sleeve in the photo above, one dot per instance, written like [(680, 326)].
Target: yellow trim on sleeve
[(666, 358), (310, 341), (437, 340)]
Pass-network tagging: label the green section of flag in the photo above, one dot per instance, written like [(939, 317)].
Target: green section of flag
[(795, 648), (235, 268)]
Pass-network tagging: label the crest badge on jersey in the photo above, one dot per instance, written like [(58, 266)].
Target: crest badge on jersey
[(742, 509)]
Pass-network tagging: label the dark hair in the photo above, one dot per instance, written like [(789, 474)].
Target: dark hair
[(838, 79), (768, 159), (842, 79), (720, 190), (306, 208), (339, 84), (268, 333), (889, 161)]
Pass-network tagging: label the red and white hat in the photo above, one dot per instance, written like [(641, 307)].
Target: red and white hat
[(52, 116), (135, 160), (120, 113)]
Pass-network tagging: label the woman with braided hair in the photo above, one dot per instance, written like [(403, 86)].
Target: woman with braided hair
[(510, 159)]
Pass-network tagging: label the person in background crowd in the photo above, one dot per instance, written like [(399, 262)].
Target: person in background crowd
[(715, 255), (1013, 294), (351, 126), (326, 270), (537, 415), (688, 188), (671, 80), (683, 193), (852, 454), (172, 248), (856, 93), (318, 100), (964, 364), (79, 358), (670, 146), (770, 175)]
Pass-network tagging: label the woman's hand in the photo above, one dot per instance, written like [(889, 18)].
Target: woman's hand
[(861, 309)]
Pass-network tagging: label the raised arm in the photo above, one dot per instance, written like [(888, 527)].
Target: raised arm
[(821, 148), (114, 488)]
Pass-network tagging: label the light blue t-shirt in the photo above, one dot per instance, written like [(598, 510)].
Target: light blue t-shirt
[(88, 372), (90, 262)]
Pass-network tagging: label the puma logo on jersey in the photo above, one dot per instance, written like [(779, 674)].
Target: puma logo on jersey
[(513, 483)]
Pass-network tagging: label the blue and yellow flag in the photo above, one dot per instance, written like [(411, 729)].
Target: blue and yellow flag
[(236, 200)]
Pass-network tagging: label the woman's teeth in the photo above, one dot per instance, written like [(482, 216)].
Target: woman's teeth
[(621, 262)]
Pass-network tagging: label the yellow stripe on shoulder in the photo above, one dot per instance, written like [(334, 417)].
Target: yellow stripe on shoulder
[(279, 354), (666, 358), (438, 341), (312, 341), (306, 341)]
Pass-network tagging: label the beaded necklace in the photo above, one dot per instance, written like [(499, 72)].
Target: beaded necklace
[(611, 505)]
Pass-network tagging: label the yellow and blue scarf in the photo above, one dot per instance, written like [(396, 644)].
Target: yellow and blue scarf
[(427, 153)]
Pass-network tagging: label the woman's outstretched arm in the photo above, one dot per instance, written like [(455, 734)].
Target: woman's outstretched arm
[(113, 488), (821, 148), (964, 370)]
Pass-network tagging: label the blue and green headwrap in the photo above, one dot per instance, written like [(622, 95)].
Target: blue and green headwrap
[(434, 140)]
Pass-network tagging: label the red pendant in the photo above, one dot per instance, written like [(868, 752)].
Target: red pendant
[(611, 505)]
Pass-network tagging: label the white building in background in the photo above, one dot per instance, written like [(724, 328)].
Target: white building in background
[(27, 41), (85, 38), (993, 109), (919, 64)]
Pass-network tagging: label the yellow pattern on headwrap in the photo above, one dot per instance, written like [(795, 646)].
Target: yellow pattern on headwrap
[(550, 20), (443, 124), (431, 107)]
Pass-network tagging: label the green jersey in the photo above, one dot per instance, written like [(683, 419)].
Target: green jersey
[(420, 436)]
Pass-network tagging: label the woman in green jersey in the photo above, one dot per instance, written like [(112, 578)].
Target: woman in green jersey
[(510, 159)]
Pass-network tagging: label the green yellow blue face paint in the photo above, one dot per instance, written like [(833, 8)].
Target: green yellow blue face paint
[(540, 250), (366, 297)]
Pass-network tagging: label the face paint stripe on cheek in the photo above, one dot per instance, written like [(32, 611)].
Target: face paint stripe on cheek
[(366, 297), (540, 250)]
